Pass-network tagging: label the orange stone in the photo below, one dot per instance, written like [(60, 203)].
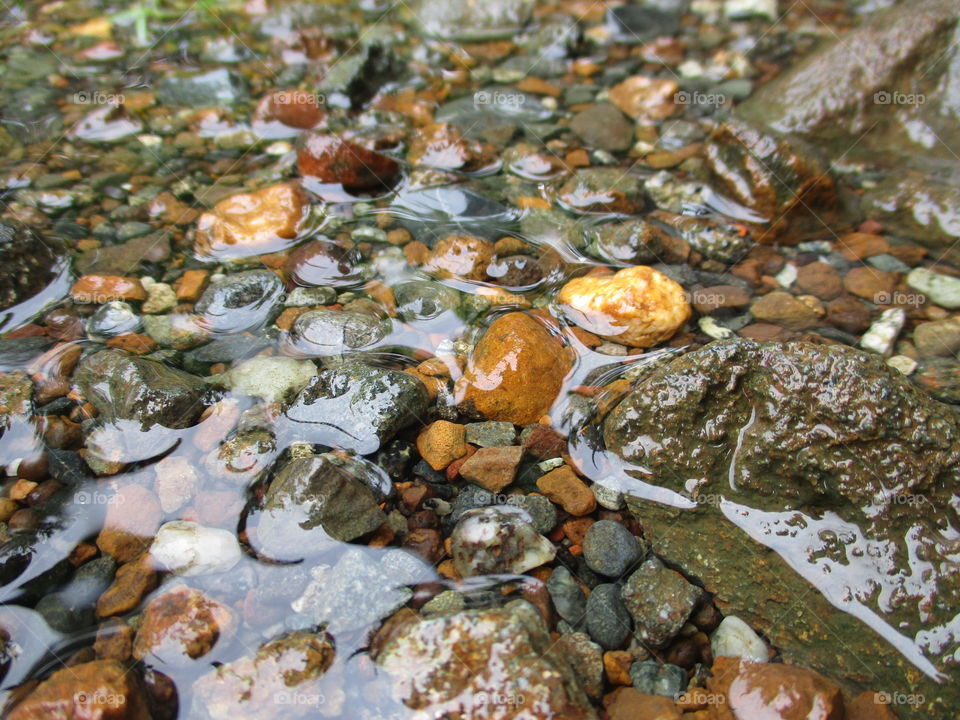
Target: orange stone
[(644, 97), (99, 289), (460, 256), (564, 488), (616, 666), (442, 442), (133, 516), (181, 625), (190, 286), (130, 586)]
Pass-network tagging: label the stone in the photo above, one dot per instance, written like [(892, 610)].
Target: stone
[(204, 88), (126, 387), (294, 108), (660, 601), (322, 263), (179, 626), (871, 284), (492, 468), (637, 306), (330, 159), (187, 548), (98, 690), (564, 488), (870, 706), (567, 596), (652, 678), (848, 313), (358, 76), (441, 146), (608, 621), (280, 679), (610, 549), (491, 434), (645, 98), (603, 126), (775, 414), (161, 298), (356, 406), (719, 297), (240, 302), (99, 289), (603, 190), (506, 655), (781, 308), (133, 516), (460, 256), (515, 372), (630, 704), (27, 264), (820, 279), (112, 319), (940, 338), (641, 23), (270, 378), (312, 504), (860, 246), (586, 659), (734, 638), (324, 332), (133, 581), (472, 22), (637, 242), (942, 290), (724, 242), (441, 442), (883, 333), (250, 224), (497, 540), (783, 691)]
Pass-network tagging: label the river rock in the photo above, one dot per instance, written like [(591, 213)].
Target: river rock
[(638, 306), (567, 595), (280, 679), (610, 549), (660, 601), (180, 625), (252, 223), (270, 378), (206, 88), (187, 548), (330, 159), (942, 290), (608, 621), (515, 372), (313, 503), (322, 332), (460, 256), (498, 539), (604, 190), (356, 406), (754, 429), (509, 666), (468, 21), (27, 264), (603, 126), (734, 638), (492, 468), (240, 302)]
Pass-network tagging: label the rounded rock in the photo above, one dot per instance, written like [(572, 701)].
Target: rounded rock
[(610, 549)]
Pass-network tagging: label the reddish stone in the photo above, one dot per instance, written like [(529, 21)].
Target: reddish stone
[(294, 108), (543, 442), (871, 284), (333, 160), (563, 487), (133, 517), (848, 313), (99, 289), (179, 626), (492, 468), (133, 581)]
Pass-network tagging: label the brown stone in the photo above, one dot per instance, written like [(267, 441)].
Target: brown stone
[(99, 289), (848, 313), (460, 256), (781, 308), (711, 299), (940, 338), (515, 372), (543, 442), (133, 581), (294, 108), (645, 97), (133, 517), (441, 146), (179, 626), (114, 640), (442, 442), (190, 286), (820, 279), (630, 704), (564, 488), (871, 284), (616, 666), (858, 246), (98, 690), (870, 706), (492, 468), (333, 160)]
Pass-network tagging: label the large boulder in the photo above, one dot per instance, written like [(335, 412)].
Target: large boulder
[(837, 464), (493, 663)]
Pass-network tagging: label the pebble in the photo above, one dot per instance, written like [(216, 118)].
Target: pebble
[(240, 302), (709, 327), (331, 159), (564, 488), (498, 540), (586, 659), (187, 548), (643, 97), (734, 638), (782, 308), (567, 596), (638, 306), (99, 289), (940, 338), (820, 279), (906, 365), (133, 581), (660, 600), (608, 621), (610, 549), (743, 9), (603, 126), (441, 442), (270, 378), (627, 703), (460, 256), (161, 298), (941, 290), (787, 276), (652, 678), (181, 625), (310, 297), (871, 284), (610, 498), (885, 330), (133, 516), (491, 434), (113, 319), (542, 512)]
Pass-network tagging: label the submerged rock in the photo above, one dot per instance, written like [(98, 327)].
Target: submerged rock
[(356, 406), (468, 21), (209, 88), (187, 548), (240, 302), (333, 160), (603, 190), (179, 626), (321, 333), (271, 379), (660, 601), (498, 664), (26, 265), (498, 540), (832, 459)]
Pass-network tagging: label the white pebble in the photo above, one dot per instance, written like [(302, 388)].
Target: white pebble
[(710, 328), (187, 548), (734, 638), (942, 290), (270, 378), (742, 9), (884, 332), (906, 365), (787, 276)]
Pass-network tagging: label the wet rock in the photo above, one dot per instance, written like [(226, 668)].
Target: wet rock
[(603, 190), (436, 212), (99, 690), (603, 126), (610, 549), (564, 488), (98, 289), (210, 88), (354, 79), (820, 279), (360, 589), (330, 159), (71, 609), (491, 434), (721, 241), (423, 300), (542, 512), (940, 338), (311, 504), (637, 306), (608, 621), (294, 108), (515, 271), (323, 263), (782, 181), (321, 333), (941, 378), (942, 290), (128, 387), (471, 22), (132, 583), (719, 297), (567, 596), (636, 23), (506, 654), (756, 689), (586, 659), (133, 516), (240, 302), (28, 265), (492, 468), (112, 319), (883, 333), (240, 459), (782, 308), (460, 256), (498, 540), (637, 242), (848, 313), (628, 704), (652, 678), (356, 406), (281, 678), (252, 223), (643, 97), (906, 449), (734, 638), (180, 625), (442, 442), (187, 548), (660, 601), (176, 331), (270, 378), (515, 371), (441, 146)]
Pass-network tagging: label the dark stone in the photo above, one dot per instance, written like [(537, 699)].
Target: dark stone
[(603, 126), (205, 88), (241, 302), (27, 264), (608, 621)]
